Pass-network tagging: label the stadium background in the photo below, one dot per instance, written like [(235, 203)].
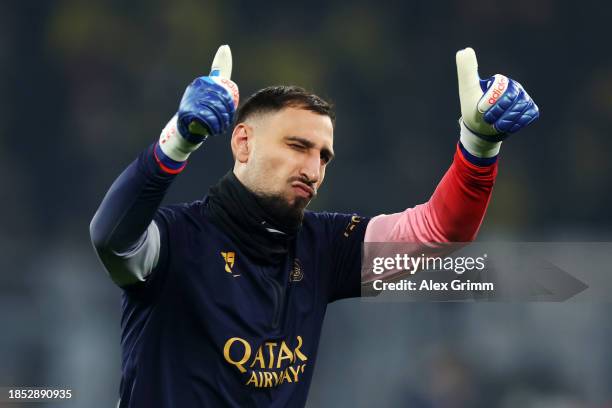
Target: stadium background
[(84, 86)]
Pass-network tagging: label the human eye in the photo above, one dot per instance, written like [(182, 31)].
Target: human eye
[(326, 157), (297, 146)]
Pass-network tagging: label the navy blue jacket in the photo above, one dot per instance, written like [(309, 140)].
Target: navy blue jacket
[(207, 327)]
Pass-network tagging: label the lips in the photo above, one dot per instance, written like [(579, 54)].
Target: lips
[(303, 188)]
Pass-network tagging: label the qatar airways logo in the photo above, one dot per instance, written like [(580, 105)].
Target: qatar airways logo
[(272, 364)]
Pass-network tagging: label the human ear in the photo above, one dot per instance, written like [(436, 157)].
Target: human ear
[(241, 142)]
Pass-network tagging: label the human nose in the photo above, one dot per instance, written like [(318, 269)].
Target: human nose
[(311, 169)]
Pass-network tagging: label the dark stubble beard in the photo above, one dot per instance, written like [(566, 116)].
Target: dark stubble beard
[(281, 210)]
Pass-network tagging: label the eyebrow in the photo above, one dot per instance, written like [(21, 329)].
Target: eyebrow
[(329, 155)]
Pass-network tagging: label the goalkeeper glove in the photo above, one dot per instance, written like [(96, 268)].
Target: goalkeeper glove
[(207, 107), (491, 109)]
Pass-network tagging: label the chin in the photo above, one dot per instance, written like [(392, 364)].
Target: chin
[(299, 203), (288, 210)]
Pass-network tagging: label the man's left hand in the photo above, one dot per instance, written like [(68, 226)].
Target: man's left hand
[(495, 107)]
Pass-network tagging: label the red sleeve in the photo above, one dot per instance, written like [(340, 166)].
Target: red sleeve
[(453, 213)]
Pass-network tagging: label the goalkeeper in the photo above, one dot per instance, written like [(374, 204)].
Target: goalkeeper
[(224, 297)]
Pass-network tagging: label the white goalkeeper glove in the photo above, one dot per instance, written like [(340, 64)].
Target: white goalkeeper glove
[(207, 107), (491, 109)]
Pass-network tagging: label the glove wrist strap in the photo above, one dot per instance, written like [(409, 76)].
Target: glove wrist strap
[(173, 144), (476, 145)]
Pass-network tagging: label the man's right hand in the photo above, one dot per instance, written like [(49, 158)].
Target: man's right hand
[(207, 107)]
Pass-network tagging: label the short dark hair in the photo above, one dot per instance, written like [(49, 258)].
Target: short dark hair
[(275, 98)]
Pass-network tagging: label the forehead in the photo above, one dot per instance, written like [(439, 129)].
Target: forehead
[(302, 123)]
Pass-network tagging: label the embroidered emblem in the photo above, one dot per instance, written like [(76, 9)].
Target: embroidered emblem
[(297, 272), (355, 219), (229, 258)]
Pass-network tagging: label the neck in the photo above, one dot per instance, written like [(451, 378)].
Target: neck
[(251, 219)]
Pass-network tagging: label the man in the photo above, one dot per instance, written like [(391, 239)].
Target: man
[(224, 297)]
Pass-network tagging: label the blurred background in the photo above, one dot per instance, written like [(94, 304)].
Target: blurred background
[(84, 86)]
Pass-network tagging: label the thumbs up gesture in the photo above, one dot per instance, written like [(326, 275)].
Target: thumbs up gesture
[(207, 108), (495, 107), (209, 102)]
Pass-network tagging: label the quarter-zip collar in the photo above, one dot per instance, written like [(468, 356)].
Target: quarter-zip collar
[(258, 232)]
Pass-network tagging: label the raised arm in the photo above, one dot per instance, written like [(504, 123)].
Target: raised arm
[(453, 213), (123, 232), (491, 109)]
